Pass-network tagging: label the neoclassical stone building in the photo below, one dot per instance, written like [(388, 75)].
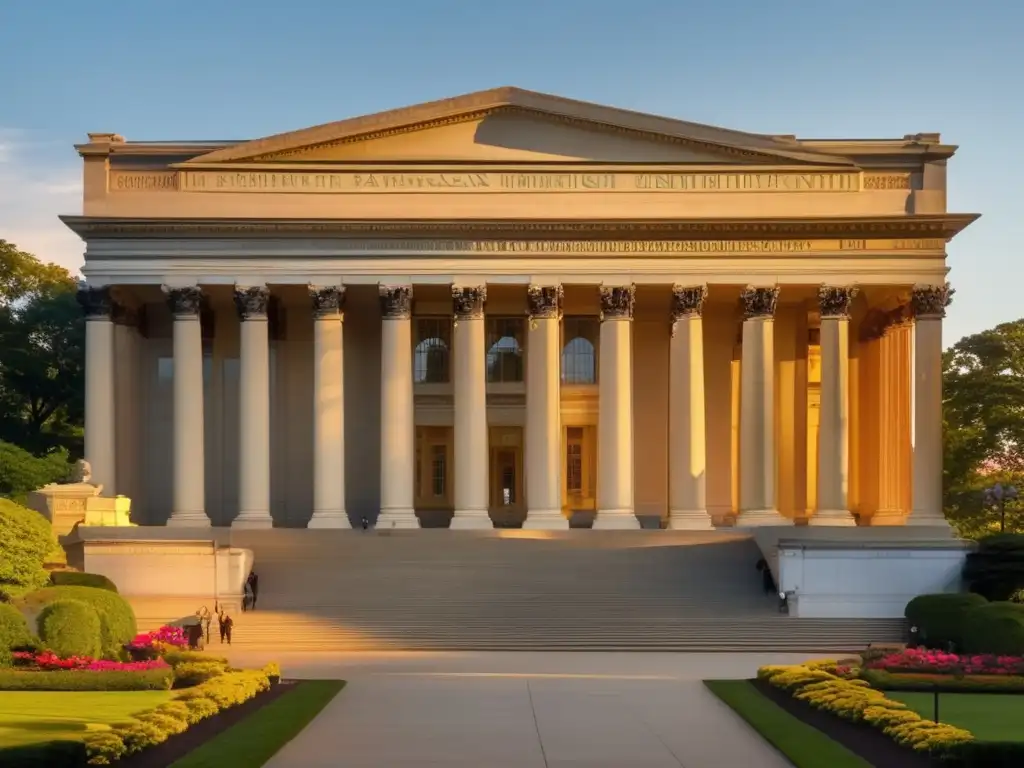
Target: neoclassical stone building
[(509, 307)]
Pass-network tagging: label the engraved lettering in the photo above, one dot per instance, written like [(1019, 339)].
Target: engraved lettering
[(144, 182), (887, 181), (853, 245)]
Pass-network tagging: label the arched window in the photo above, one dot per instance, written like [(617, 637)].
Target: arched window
[(431, 354), (504, 350), (579, 355)]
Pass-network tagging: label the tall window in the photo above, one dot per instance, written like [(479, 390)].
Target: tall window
[(431, 357), (574, 460), (505, 349), (438, 470), (579, 353)]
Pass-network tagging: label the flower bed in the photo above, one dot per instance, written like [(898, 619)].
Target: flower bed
[(47, 661), (151, 645), (943, 683), (939, 662)]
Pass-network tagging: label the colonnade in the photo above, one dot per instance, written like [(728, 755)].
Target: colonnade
[(543, 458)]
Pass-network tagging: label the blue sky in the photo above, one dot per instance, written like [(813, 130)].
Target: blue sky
[(225, 69)]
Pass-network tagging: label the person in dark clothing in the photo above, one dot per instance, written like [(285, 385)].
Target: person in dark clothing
[(228, 625), (767, 581), (254, 586)]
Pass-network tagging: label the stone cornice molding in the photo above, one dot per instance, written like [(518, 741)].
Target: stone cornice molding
[(944, 226), (468, 302), (395, 301), (544, 302), (252, 302), (835, 301), (687, 301), (618, 302), (759, 302), (185, 302), (929, 302), (328, 300)]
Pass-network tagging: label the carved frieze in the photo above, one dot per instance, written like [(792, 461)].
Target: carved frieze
[(95, 301), (395, 301), (930, 301), (184, 302), (688, 300), (617, 302), (252, 301), (328, 300), (759, 301), (835, 301), (544, 301), (468, 301)]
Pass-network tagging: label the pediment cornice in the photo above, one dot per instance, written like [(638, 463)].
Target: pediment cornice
[(741, 146), (944, 226)]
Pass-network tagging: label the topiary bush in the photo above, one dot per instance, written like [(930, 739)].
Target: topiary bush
[(76, 579), (193, 673), (940, 618), (117, 619), (14, 632), (70, 628), (996, 628), (26, 539)]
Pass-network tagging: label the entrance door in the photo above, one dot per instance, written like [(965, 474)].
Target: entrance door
[(507, 505), (580, 488)]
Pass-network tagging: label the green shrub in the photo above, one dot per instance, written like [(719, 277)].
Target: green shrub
[(26, 539), (940, 618), (104, 747), (70, 628), (177, 657), (193, 673), (76, 579), (46, 754), (84, 680), (21, 472), (117, 619), (996, 628), (14, 632), (996, 568)]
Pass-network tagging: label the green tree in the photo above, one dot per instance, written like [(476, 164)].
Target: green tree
[(42, 335), (983, 415)]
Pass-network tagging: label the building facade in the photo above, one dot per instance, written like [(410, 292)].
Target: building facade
[(512, 308)]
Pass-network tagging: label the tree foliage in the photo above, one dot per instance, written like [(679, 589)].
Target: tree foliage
[(26, 540)]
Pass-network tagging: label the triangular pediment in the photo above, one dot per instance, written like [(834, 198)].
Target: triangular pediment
[(510, 124)]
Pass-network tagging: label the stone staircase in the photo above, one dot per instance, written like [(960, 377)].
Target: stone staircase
[(517, 590)]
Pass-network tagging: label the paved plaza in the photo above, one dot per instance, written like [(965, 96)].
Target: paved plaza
[(527, 710)]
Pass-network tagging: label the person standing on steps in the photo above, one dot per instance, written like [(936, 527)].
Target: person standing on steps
[(253, 583), (229, 624)]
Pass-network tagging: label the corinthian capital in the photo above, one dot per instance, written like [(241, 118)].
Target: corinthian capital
[(468, 301), (252, 302), (395, 301), (835, 301), (688, 300), (759, 302), (328, 301), (545, 301), (184, 302), (930, 301), (618, 302)]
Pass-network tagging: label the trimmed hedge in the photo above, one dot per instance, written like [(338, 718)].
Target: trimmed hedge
[(26, 539), (996, 628), (46, 754), (996, 568), (177, 657), (14, 632), (85, 680), (76, 579), (940, 618), (922, 681), (70, 628), (194, 672), (117, 619)]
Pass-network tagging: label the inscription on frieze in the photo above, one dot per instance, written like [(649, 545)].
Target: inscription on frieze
[(877, 181)]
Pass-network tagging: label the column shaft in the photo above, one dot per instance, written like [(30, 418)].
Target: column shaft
[(471, 444), (757, 411), (544, 411), (188, 498), (687, 438), (328, 409), (100, 426), (890, 509), (254, 409), (615, 411), (834, 423), (398, 434)]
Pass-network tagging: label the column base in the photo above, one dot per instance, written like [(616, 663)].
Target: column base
[(253, 520), (885, 517), (616, 520), (188, 520), (545, 520), (832, 517), (757, 518), (919, 520), (397, 518), (689, 520), (336, 519), (471, 520)]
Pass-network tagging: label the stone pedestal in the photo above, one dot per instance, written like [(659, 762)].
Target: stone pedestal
[(63, 505)]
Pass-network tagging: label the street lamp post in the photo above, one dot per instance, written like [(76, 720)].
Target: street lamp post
[(996, 497)]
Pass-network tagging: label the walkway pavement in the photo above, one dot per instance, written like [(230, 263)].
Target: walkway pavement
[(528, 710)]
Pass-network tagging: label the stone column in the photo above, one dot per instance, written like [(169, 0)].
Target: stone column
[(615, 411), (834, 423), (928, 303), (544, 410), (757, 410), (252, 303), (687, 448), (893, 427), (328, 408), (100, 422), (397, 429), (188, 496), (471, 444)]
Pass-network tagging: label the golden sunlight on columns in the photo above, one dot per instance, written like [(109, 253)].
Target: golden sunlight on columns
[(890, 510), (615, 410), (188, 499), (687, 459), (791, 410), (397, 433), (328, 408), (757, 410), (471, 451), (834, 430), (929, 304), (100, 428), (543, 411)]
